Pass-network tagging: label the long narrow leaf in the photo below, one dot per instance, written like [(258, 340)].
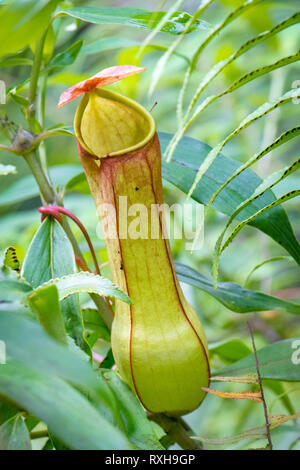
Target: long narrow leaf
[(164, 59), (219, 249), (231, 17), (181, 172), (254, 116), (285, 137), (284, 198), (185, 123), (160, 24), (233, 296), (67, 413), (220, 66), (136, 17), (29, 345)]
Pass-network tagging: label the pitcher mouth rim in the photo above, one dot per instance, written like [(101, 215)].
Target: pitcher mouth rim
[(121, 99)]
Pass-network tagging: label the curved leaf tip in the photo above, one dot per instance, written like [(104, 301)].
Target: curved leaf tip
[(103, 78)]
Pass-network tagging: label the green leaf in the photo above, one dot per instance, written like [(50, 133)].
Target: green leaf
[(283, 138), (248, 77), (185, 121), (233, 15), (44, 301), (267, 184), (86, 282), (94, 326), (276, 361), (7, 169), (252, 117), (13, 61), (60, 129), (78, 183), (26, 187), (213, 72), (230, 351), (13, 291), (232, 295), (109, 360), (67, 413), (278, 389), (138, 428), (161, 64), (50, 255), (163, 22), (136, 17), (282, 199), (20, 100), (29, 345), (65, 58), (14, 434), (37, 377), (22, 22), (49, 445), (181, 172), (220, 66), (7, 412), (13, 288), (241, 9)]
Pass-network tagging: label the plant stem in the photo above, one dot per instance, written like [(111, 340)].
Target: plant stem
[(35, 72), (48, 193), (6, 148), (41, 119), (39, 434), (261, 390), (177, 429)]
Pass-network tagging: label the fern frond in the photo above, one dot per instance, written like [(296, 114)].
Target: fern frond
[(266, 185), (285, 137), (231, 17), (160, 25), (220, 66), (164, 59), (185, 122), (254, 116)]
